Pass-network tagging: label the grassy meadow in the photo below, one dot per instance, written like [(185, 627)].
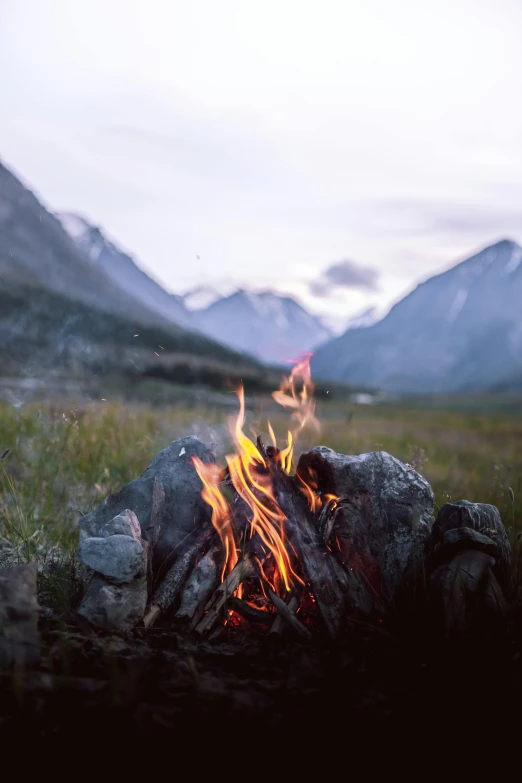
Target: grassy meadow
[(64, 459)]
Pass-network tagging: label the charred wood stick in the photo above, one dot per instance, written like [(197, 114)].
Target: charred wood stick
[(245, 568), (288, 616), (200, 585), (250, 613), (169, 589), (279, 623), (328, 515)]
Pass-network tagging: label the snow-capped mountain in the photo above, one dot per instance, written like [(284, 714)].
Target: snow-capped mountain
[(459, 330), (271, 327), (123, 270)]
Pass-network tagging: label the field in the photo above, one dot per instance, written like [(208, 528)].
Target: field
[(65, 458)]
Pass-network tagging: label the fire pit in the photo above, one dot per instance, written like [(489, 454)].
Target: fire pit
[(263, 543)]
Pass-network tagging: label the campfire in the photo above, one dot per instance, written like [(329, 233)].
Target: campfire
[(264, 543), (276, 559)]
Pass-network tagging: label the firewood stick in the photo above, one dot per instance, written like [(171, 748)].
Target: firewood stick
[(288, 616), (279, 623), (251, 613), (169, 589), (243, 569), (200, 585)]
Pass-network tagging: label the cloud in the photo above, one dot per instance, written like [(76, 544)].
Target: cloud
[(345, 274)]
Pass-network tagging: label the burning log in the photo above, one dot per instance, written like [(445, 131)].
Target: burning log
[(251, 613), (169, 589), (245, 568), (279, 623), (289, 617)]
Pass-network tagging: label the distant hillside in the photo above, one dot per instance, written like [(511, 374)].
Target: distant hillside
[(459, 331), (270, 327), (42, 332), (103, 254), (63, 307)]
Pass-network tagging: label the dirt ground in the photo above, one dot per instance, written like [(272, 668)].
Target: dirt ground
[(167, 685)]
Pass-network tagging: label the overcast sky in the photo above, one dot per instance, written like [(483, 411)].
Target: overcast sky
[(338, 151)]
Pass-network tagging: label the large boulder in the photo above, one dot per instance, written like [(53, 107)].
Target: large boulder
[(19, 637), (166, 499), (384, 526)]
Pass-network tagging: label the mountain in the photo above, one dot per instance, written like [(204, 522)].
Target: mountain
[(63, 306), (123, 270), (36, 251), (458, 331), (271, 327)]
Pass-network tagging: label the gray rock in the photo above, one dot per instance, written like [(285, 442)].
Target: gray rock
[(166, 498), (484, 519), (383, 530), (19, 637), (119, 558), (112, 607), (146, 499), (468, 595), (125, 524)]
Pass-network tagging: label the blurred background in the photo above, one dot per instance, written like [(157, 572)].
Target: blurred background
[(194, 195)]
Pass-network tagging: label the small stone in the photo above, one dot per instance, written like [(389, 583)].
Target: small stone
[(125, 524), (119, 558), (113, 607), (19, 637)]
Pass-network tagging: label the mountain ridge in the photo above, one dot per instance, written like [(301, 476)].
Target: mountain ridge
[(458, 330)]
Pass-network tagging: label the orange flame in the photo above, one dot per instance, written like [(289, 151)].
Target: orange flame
[(211, 494), (254, 485), (251, 479)]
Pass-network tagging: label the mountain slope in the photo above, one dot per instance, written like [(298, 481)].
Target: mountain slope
[(60, 309), (271, 327), (460, 330), (35, 250), (123, 271)]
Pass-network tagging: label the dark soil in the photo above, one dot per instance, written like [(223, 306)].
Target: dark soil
[(166, 684)]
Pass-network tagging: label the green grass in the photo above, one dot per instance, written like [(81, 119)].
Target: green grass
[(63, 461)]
